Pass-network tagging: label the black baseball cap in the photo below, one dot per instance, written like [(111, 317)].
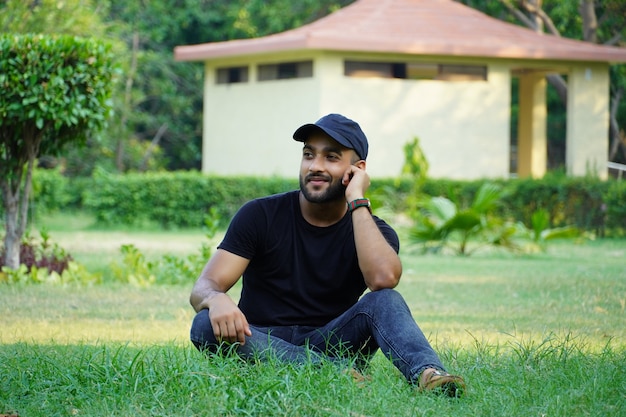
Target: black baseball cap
[(345, 131)]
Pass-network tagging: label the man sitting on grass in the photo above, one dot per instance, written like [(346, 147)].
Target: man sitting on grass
[(306, 258)]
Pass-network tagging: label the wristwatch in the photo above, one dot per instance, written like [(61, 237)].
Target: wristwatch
[(359, 202)]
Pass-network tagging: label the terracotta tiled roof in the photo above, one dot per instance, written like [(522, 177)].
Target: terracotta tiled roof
[(420, 27)]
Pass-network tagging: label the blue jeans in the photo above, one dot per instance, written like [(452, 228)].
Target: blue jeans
[(379, 320)]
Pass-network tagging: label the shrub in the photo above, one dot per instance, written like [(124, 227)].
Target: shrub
[(135, 269), (442, 223), (173, 199), (614, 208), (45, 262), (182, 199), (51, 191), (44, 254), (569, 201)]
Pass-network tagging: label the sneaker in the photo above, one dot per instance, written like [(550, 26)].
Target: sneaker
[(441, 382)]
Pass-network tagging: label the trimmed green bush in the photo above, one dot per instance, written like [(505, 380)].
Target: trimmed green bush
[(183, 199), (615, 207), (51, 191), (173, 199), (568, 200)]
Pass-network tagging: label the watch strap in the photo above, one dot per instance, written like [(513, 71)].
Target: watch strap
[(359, 202)]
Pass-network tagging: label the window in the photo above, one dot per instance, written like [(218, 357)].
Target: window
[(462, 73), (286, 70), (232, 75), (374, 69), (420, 71), (415, 71)]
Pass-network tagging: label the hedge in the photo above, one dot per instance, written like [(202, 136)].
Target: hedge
[(172, 199), (182, 199)]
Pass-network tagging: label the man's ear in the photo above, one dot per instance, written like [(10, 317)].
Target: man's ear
[(360, 164)]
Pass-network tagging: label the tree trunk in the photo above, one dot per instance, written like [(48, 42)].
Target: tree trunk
[(123, 131), (537, 20), (11, 237), (615, 136), (590, 22), (16, 192), (153, 144), (590, 34), (533, 7), (559, 85)]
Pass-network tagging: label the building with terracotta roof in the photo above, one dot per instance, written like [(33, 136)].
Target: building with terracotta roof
[(432, 69)]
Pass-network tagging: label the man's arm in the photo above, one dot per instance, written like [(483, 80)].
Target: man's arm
[(209, 292), (379, 262)]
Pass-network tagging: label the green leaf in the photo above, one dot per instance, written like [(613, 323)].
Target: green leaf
[(565, 232), (463, 221), (540, 220), (440, 208), (487, 197)]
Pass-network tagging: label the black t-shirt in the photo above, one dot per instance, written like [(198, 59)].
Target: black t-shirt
[(299, 274)]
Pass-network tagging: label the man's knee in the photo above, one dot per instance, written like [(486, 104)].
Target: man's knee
[(386, 300), (385, 296)]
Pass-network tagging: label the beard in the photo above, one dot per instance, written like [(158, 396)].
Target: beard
[(335, 191)]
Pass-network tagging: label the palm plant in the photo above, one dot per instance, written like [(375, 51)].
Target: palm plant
[(444, 224), (541, 231)]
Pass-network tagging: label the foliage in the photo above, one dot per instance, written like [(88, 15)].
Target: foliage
[(415, 168), (74, 273), (179, 199), (168, 269), (254, 18), (614, 208), (51, 191), (55, 91), (415, 163), (609, 28), (571, 201), (541, 231), (445, 224), (44, 254), (168, 94), (70, 17), (588, 204), (45, 262), (57, 86), (135, 270)]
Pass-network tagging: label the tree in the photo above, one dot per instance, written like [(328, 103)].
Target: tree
[(79, 18), (55, 91), (164, 104), (596, 21), (71, 17), (158, 100), (602, 22)]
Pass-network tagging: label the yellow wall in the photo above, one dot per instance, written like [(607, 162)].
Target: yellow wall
[(587, 145), (248, 126), (532, 143), (463, 126)]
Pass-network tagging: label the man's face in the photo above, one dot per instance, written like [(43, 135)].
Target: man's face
[(324, 161)]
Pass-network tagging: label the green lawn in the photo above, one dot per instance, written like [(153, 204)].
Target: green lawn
[(534, 335)]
